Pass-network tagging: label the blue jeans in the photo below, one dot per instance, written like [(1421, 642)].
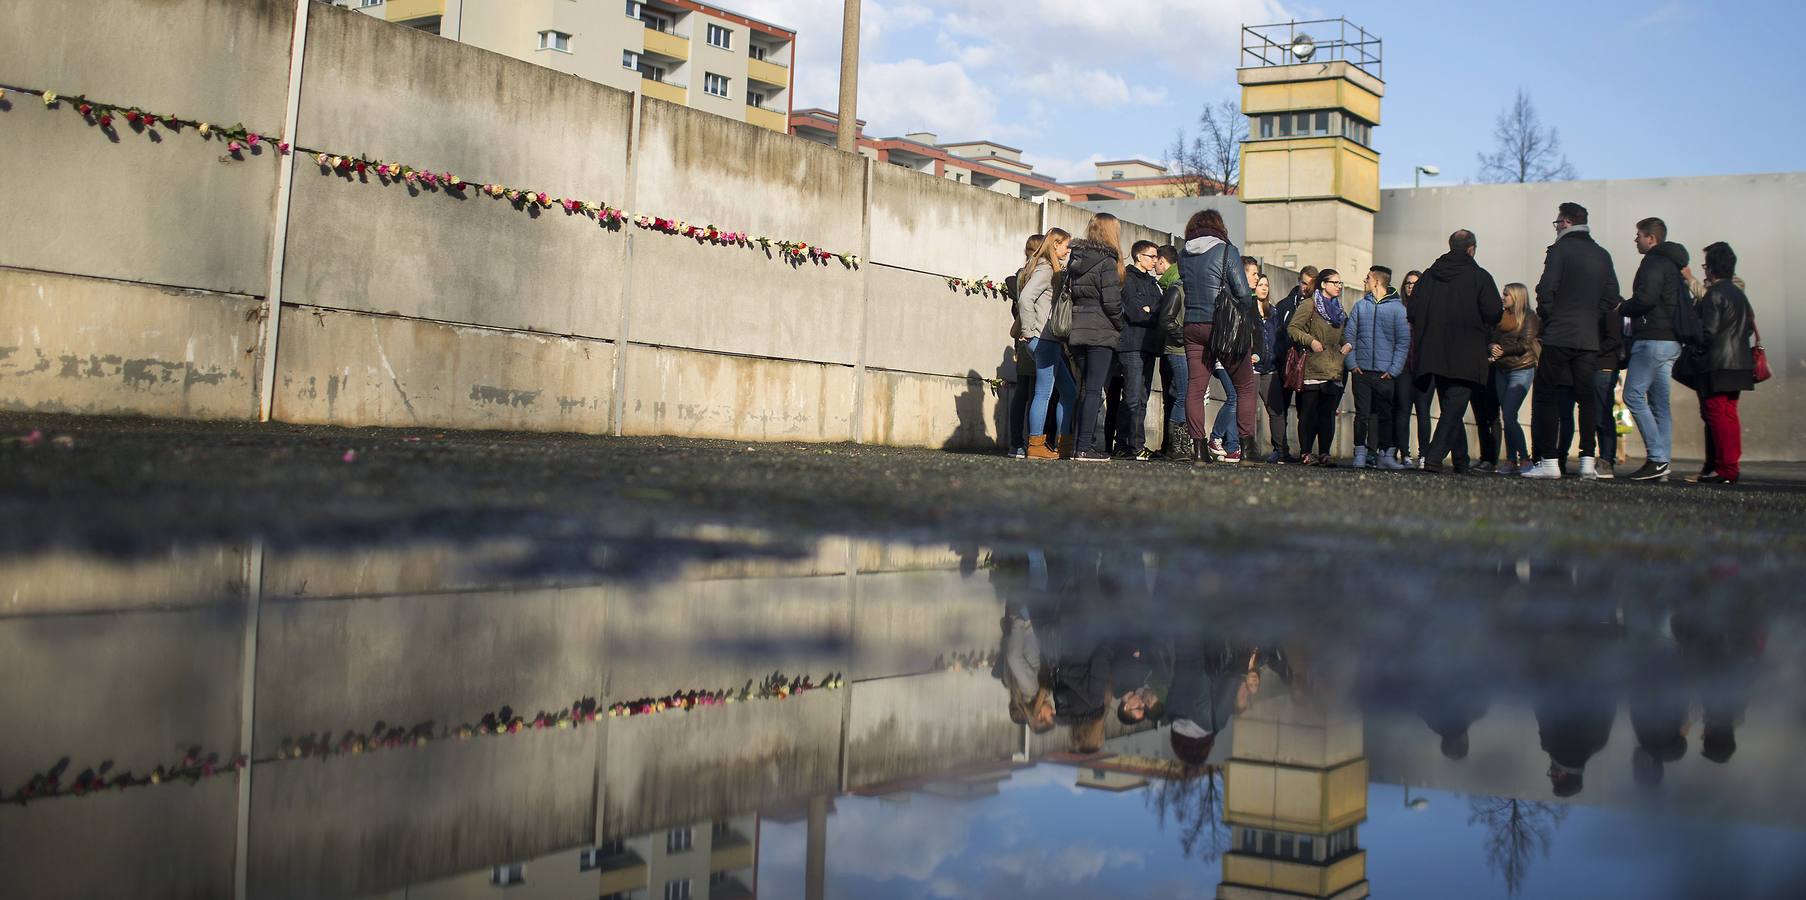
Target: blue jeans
[(1050, 369), (1225, 428), (1646, 393), (1176, 375), (1512, 387), (1137, 381)]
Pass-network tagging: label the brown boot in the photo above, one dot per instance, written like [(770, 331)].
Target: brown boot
[(1038, 449), (1066, 446)]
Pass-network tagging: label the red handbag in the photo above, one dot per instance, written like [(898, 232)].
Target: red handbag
[(1294, 377), (1761, 356)]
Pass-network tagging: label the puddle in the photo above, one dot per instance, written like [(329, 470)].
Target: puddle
[(698, 711)]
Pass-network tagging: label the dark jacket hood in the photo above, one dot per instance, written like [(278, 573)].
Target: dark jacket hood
[(1450, 266), (1088, 255), (1674, 252)]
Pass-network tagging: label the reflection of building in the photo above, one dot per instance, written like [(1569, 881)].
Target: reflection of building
[(717, 860), (1108, 780), (695, 54), (1295, 794)]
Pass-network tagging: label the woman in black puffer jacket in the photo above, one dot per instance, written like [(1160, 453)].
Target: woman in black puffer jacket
[(1095, 275)]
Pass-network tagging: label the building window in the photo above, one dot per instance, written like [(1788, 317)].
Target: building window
[(655, 22), (720, 829), (1116, 175), (633, 9), (590, 860), (1304, 849), (677, 890), (630, 59), (651, 72), (369, 3), (679, 840), (555, 40), (756, 51), (509, 875), (717, 879), (714, 84), (721, 37), (755, 98), (1322, 124)]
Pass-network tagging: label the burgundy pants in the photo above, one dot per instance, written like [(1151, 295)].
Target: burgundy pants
[(1200, 366), (1724, 433)]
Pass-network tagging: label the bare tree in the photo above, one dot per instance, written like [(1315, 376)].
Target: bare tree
[(1210, 161), (1224, 129), (1520, 829), (1524, 150), (1195, 805)]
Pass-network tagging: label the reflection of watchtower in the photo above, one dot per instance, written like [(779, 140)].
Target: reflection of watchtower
[(1310, 175), (1294, 796)]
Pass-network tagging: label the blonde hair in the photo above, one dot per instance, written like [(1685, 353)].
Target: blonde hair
[(1049, 250), (1519, 296), (1105, 229)]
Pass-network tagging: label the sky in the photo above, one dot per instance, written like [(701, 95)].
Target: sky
[(1637, 90)]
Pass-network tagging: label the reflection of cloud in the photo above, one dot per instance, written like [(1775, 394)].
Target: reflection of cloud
[(1038, 868), (911, 841)]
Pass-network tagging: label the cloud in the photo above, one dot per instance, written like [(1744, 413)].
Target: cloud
[(1666, 14), (1039, 868), (913, 95)]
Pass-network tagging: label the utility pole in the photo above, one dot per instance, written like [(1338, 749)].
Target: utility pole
[(847, 128)]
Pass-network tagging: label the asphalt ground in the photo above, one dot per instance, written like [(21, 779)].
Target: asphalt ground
[(134, 486)]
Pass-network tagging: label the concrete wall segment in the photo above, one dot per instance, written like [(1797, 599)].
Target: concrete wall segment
[(916, 323), (712, 395), (933, 225)]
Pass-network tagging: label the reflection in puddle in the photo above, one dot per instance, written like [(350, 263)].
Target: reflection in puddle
[(834, 716)]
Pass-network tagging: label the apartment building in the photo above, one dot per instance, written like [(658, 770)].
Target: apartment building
[(1141, 179), (985, 164), (701, 56)]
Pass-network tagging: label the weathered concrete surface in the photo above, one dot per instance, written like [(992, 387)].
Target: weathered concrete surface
[(234, 55), (455, 256), (933, 225), (922, 724), (338, 665), (916, 323), (677, 768), (905, 620), (81, 345), (67, 583), (704, 169), (351, 369), (690, 394), (173, 840), (63, 701), (354, 825), (801, 629), (906, 409)]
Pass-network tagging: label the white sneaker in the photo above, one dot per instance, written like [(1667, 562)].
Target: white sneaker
[(1588, 471), (1542, 469), (1389, 461), (1360, 458)]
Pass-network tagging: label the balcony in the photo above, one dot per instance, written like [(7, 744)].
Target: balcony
[(408, 10), (766, 118), (767, 72), (669, 91), (664, 43)]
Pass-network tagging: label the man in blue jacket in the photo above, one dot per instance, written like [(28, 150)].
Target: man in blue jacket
[(1375, 344)]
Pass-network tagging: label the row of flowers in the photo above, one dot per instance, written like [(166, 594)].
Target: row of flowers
[(240, 140), (196, 765), (983, 286)]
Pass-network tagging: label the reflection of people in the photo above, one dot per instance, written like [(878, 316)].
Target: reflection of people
[(1019, 667), (1659, 712), (1722, 645), (1574, 722), (1210, 685)]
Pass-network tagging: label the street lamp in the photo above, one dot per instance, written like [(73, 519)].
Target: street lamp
[(1417, 804), (1431, 171)]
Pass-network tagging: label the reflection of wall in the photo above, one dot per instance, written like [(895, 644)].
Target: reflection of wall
[(920, 723)]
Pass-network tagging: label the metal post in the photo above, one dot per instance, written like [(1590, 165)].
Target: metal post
[(285, 180), (815, 879), (847, 128)]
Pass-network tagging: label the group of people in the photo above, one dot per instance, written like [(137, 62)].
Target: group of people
[(1076, 651), (1092, 329)]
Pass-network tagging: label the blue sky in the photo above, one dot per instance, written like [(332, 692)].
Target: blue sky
[(1660, 88)]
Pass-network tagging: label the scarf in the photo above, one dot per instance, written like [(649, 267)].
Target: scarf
[(1170, 278), (1331, 311)]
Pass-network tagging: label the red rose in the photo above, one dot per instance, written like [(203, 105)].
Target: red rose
[(105, 120), (359, 167), (150, 120), (84, 109), (133, 117)]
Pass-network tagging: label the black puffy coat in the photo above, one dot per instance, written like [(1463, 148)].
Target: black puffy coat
[(1654, 291), (1577, 279), (1097, 319), (1141, 310), (1454, 309)]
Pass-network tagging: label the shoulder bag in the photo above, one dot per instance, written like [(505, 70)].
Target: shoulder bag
[(1060, 323), (1232, 328)]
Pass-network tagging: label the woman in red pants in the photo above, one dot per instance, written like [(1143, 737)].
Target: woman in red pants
[(1726, 365)]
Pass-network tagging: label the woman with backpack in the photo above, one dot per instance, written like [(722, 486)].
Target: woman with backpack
[(1041, 280), (1317, 330), (1211, 267), (1095, 276)]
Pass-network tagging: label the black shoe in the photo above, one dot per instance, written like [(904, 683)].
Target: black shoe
[(1651, 471), (1485, 468), (1434, 468), (1091, 456), (1123, 452), (1465, 470)]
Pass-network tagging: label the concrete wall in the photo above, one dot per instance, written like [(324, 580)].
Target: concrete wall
[(407, 305), (1750, 212)]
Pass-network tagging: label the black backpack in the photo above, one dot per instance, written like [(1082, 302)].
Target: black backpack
[(1688, 329), (1233, 328)]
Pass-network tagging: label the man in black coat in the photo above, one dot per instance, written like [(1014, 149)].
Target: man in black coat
[(1138, 350), (1578, 286), (1458, 305)]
